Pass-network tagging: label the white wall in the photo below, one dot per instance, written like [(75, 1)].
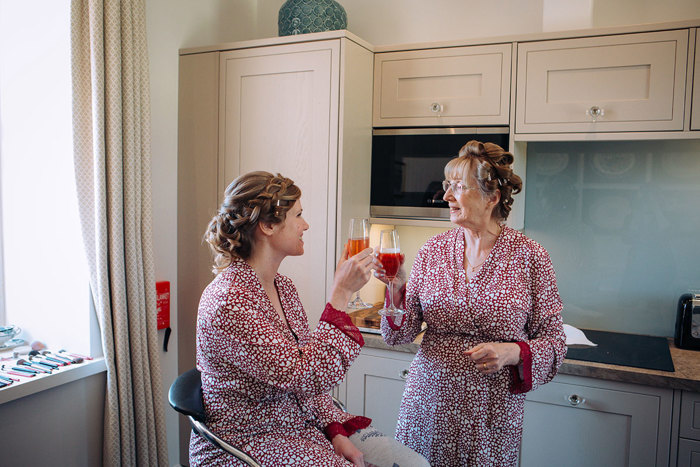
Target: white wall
[(171, 25), (175, 24), (59, 426)]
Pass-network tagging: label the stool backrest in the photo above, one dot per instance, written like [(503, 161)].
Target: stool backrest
[(185, 395)]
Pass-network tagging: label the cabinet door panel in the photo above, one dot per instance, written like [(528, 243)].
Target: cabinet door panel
[(688, 453), (279, 114), (374, 389), (690, 415), (606, 427), (636, 80), (470, 85), (566, 427)]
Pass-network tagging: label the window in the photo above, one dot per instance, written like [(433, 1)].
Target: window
[(44, 285)]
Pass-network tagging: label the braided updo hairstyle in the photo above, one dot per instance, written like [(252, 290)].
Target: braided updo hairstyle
[(251, 198), (492, 168)]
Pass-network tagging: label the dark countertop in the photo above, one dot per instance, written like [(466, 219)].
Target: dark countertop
[(686, 362)]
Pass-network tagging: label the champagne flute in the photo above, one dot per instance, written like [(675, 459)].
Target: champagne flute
[(391, 258), (358, 240)]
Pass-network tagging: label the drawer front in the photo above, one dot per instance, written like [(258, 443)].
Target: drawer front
[(455, 86), (579, 425), (690, 415), (633, 82), (688, 453)]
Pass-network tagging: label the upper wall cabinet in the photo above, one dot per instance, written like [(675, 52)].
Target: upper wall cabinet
[(443, 87), (631, 82), (695, 117)]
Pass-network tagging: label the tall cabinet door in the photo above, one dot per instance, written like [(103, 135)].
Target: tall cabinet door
[(279, 113)]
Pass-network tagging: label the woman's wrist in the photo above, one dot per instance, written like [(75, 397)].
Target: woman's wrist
[(515, 357), (398, 283), (339, 299)]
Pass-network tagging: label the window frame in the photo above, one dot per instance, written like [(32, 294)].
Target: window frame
[(3, 317)]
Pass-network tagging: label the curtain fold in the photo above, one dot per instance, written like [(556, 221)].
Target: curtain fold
[(112, 161)]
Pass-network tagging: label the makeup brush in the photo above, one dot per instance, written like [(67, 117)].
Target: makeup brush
[(49, 355), (75, 355), (64, 357), (33, 366), (35, 355)]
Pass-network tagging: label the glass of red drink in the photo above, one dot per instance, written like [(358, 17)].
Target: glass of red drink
[(358, 240), (391, 258)]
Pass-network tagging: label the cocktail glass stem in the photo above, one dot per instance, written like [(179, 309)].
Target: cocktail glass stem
[(357, 303), (392, 308)]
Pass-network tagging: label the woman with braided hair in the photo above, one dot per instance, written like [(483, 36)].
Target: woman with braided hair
[(489, 297), (265, 375)]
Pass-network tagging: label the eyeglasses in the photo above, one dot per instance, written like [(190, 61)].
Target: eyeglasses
[(457, 187)]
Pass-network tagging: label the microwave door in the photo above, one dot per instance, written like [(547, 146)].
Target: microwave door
[(408, 169)]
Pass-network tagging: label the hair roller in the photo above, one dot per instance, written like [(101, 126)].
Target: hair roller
[(491, 167)]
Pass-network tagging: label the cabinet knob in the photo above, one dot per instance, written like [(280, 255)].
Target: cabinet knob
[(595, 112), (403, 374), (436, 107), (575, 400)]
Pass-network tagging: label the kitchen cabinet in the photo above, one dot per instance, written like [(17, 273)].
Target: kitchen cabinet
[(688, 453), (279, 113), (443, 87), (281, 106), (374, 386), (570, 421), (621, 83), (578, 421), (689, 433), (695, 115)]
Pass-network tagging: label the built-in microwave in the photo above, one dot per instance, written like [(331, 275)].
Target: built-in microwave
[(408, 168)]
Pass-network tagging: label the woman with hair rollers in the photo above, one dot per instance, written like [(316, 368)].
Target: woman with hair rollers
[(489, 297)]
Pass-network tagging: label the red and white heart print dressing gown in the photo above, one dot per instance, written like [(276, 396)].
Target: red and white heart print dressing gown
[(451, 413), (265, 386)]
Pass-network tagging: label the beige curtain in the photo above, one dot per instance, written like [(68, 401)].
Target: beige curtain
[(112, 159)]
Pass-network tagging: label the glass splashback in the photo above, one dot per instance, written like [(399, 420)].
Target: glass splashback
[(621, 222)]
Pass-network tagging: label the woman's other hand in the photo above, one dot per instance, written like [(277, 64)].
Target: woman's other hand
[(350, 275), (380, 273), (399, 280), (491, 357), (344, 447)]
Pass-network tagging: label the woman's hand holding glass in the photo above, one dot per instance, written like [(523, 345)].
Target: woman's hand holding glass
[(391, 258), (351, 274), (358, 240), (399, 280)]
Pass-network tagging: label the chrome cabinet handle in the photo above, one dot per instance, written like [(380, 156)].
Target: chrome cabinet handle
[(403, 374), (436, 107), (595, 112), (575, 400)]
